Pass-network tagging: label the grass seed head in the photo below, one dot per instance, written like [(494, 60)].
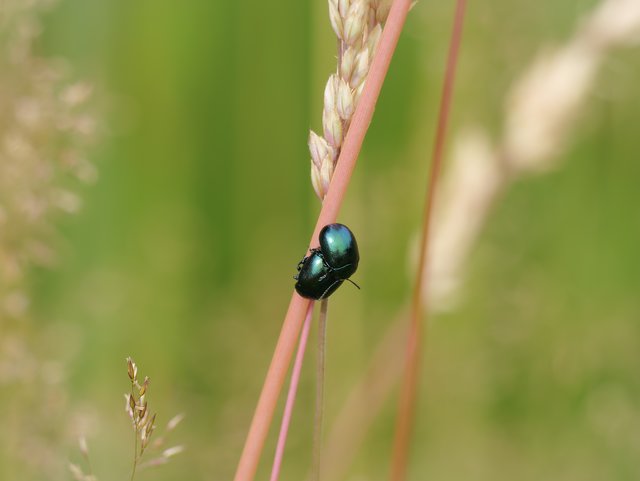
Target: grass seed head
[(358, 26)]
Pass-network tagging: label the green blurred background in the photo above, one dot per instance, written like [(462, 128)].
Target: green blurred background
[(183, 254)]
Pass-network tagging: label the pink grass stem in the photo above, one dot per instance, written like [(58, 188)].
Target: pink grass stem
[(408, 393), (320, 374), (332, 202), (291, 395)]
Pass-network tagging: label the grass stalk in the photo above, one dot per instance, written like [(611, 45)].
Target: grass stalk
[(320, 375), (408, 393), (292, 324), (291, 395)]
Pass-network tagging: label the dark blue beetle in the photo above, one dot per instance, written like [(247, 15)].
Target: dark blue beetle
[(328, 266)]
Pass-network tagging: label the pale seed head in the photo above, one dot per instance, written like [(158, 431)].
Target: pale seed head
[(355, 22)]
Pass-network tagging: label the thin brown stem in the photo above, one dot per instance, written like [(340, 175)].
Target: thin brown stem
[(408, 393), (292, 324)]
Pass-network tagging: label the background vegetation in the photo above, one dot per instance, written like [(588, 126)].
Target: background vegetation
[(183, 253)]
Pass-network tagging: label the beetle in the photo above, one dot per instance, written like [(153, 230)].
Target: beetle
[(328, 266), (340, 249)]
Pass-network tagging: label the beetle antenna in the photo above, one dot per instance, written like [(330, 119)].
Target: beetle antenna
[(353, 283)]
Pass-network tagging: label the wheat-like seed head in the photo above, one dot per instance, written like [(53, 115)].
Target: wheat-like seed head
[(358, 26)]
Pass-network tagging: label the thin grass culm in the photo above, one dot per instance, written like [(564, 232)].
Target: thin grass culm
[(345, 165), (291, 395), (358, 26), (408, 393), (320, 375)]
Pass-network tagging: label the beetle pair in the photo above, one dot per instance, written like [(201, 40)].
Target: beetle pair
[(328, 266)]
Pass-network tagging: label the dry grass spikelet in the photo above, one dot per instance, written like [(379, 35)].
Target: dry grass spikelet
[(137, 408), (358, 26), (144, 423)]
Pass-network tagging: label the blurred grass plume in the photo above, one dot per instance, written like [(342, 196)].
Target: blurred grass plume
[(46, 127), (542, 108)]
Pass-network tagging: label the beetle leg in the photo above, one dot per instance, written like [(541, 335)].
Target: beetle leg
[(301, 263)]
